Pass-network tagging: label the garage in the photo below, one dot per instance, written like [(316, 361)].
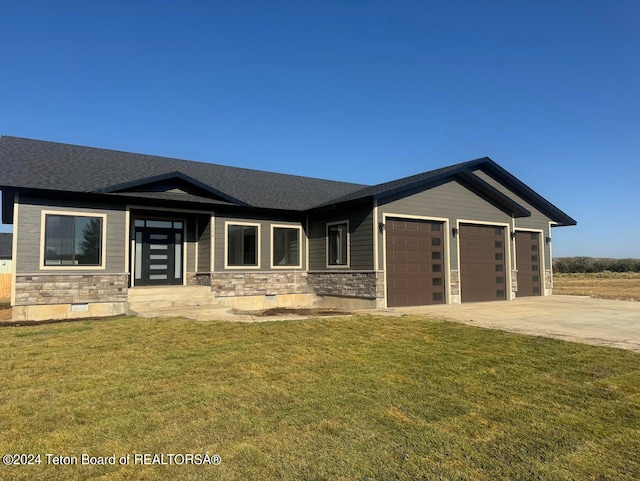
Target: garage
[(415, 262), (528, 263), (483, 265)]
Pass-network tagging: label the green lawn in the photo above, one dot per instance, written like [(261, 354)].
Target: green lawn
[(353, 398)]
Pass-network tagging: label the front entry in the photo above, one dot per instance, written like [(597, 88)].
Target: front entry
[(158, 252)]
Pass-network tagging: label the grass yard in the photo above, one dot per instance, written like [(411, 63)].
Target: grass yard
[(603, 285), (353, 398)]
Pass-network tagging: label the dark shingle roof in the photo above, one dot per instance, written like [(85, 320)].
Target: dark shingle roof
[(6, 245), (464, 173), (36, 164)]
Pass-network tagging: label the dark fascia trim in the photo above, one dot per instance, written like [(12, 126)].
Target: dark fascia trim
[(470, 181), (7, 205), (328, 207), (430, 181), (168, 176), (489, 193), (121, 200), (526, 193)]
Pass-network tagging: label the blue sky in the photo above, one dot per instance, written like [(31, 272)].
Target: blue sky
[(360, 91)]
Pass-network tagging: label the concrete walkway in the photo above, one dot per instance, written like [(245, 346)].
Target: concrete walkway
[(598, 322)]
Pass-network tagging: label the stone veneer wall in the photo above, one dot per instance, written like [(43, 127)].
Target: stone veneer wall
[(363, 285), (231, 284), (514, 281), (41, 289), (203, 278), (198, 278), (548, 279), (455, 283)]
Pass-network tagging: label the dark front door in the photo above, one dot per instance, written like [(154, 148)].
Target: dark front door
[(158, 255)]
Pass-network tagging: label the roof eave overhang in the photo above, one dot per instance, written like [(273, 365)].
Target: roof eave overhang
[(492, 195), (119, 198), (492, 169), (119, 188), (470, 181)]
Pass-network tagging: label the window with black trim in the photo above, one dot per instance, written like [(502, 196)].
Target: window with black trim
[(71, 240), (286, 246), (338, 244), (242, 245)]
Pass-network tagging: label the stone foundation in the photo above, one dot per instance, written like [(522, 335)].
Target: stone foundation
[(349, 303), (454, 286), (67, 311), (198, 279), (263, 283), (203, 278), (514, 283), (68, 296), (258, 303), (259, 290), (367, 285), (548, 282), (47, 289)]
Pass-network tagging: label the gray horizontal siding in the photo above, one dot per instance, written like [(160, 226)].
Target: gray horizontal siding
[(204, 243), (28, 231), (449, 201), (360, 236), (537, 220), (191, 243), (265, 240)]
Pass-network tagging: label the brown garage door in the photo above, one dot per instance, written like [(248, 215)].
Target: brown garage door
[(528, 263), (482, 263), (415, 262)]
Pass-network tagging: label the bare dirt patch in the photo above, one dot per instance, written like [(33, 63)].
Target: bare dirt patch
[(604, 285), (294, 311)]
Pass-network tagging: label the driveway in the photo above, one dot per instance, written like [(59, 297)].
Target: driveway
[(571, 318)]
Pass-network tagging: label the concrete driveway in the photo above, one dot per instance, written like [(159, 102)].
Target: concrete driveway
[(571, 318)]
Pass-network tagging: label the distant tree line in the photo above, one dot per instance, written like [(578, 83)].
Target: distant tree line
[(592, 264)]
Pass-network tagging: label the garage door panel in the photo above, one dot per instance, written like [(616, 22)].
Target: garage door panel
[(528, 263), (414, 253), (482, 265)]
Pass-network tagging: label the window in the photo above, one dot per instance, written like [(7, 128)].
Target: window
[(338, 244), (242, 245), (285, 246), (73, 240)]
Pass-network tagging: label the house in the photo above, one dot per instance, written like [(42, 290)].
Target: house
[(6, 258), (6, 241), (93, 227), (6, 265)]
